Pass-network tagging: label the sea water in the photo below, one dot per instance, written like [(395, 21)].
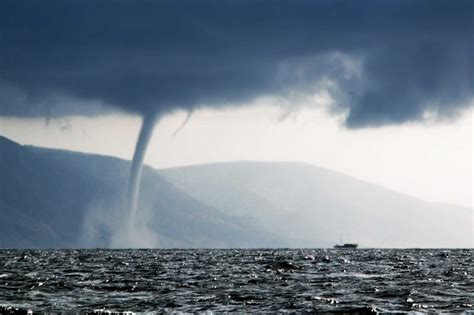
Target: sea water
[(237, 280)]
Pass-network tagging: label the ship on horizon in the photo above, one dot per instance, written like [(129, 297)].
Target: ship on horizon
[(347, 246)]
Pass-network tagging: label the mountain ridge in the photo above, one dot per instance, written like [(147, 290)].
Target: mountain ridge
[(301, 163), (317, 193), (225, 204), (60, 198)]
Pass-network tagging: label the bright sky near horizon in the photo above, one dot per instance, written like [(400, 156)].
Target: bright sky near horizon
[(432, 161)]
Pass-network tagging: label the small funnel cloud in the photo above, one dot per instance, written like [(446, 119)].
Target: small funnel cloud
[(185, 122), (146, 131)]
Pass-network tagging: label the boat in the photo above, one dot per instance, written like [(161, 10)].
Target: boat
[(347, 246)]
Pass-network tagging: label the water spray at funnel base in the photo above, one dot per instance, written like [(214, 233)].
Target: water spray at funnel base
[(146, 131)]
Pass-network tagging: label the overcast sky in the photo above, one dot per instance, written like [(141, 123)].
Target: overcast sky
[(380, 90)]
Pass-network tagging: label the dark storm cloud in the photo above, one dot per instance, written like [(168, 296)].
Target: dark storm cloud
[(60, 58)]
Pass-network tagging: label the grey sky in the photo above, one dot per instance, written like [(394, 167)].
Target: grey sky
[(386, 64), (383, 62)]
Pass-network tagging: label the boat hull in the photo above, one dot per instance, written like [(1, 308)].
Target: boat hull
[(346, 246)]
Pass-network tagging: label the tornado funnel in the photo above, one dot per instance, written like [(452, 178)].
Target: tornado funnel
[(144, 137)]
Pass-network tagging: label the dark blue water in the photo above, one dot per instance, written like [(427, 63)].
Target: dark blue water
[(352, 281)]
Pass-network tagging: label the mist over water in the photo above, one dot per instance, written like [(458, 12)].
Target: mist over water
[(110, 225)]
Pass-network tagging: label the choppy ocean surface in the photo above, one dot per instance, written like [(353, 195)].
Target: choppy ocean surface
[(352, 281)]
